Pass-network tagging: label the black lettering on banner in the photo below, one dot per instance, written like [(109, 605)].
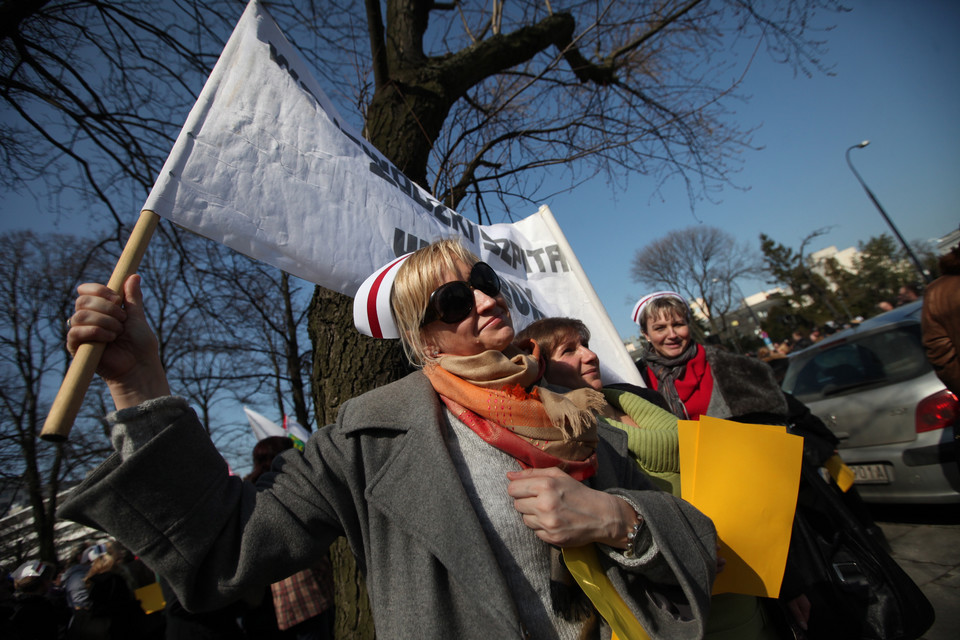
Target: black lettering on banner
[(522, 300), (382, 168), (519, 302), (555, 256), (418, 198), (379, 167), (507, 250), (402, 181), (518, 257), (537, 254), (465, 227), (537, 314), (378, 171), (409, 189), (282, 62), (404, 242), (440, 213), (494, 247), (489, 243)]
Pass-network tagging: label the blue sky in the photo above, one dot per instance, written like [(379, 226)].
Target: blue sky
[(896, 83)]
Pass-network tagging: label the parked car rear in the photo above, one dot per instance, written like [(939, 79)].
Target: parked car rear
[(873, 387)]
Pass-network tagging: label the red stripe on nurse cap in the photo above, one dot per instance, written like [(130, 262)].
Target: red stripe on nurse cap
[(642, 302), (371, 305)]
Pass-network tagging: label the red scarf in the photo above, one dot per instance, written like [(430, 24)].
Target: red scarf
[(694, 386)]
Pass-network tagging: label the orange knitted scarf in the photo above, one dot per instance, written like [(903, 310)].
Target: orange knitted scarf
[(495, 394)]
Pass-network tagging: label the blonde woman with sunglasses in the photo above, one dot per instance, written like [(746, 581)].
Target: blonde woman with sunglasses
[(454, 486)]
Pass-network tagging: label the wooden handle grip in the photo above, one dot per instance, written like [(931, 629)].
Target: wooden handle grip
[(69, 398)]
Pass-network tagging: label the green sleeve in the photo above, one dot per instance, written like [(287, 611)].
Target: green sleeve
[(646, 414), (655, 445)]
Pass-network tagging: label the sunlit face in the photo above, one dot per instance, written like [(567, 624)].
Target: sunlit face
[(573, 365), (669, 334), (488, 326)]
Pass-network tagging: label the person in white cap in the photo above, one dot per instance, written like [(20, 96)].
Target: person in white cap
[(698, 380), (34, 615), (454, 486)]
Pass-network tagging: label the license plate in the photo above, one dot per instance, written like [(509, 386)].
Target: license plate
[(871, 473)]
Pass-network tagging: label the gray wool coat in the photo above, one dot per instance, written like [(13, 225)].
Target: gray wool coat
[(382, 477)]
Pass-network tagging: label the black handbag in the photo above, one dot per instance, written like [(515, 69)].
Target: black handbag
[(855, 588)]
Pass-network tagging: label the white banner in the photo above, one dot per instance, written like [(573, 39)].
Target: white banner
[(265, 165)]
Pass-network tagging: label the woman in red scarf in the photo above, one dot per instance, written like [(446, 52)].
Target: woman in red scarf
[(697, 380), (454, 486)]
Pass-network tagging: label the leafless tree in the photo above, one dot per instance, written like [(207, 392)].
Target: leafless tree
[(230, 331), (471, 99), (36, 298), (263, 311)]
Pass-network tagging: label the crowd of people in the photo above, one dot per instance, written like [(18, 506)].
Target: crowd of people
[(90, 597), (456, 486), (96, 595), (103, 592)]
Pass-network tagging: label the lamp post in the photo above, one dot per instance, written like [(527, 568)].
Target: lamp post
[(743, 299), (923, 274)]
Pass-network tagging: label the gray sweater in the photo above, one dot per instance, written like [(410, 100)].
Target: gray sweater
[(383, 476)]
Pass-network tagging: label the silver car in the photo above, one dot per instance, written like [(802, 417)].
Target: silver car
[(873, 387)]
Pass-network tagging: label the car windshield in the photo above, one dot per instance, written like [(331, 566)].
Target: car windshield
[(875, 359)]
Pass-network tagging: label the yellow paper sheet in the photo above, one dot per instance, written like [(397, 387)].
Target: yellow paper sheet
[(745, 477), (840, 472)]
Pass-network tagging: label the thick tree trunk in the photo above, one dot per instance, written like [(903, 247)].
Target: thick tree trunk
[(346, 364), (405, 118)]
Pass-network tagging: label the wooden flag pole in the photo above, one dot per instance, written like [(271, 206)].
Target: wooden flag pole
[(66, 405)]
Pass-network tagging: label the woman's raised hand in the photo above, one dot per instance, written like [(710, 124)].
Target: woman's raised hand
[(130, 364)]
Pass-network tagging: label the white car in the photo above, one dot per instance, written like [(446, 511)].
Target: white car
[(873, 387)]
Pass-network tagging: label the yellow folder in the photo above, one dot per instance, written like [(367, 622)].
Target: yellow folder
[(745, 477), (151, 597)]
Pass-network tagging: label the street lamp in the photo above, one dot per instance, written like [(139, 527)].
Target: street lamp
[(923, 274), (743, 299)]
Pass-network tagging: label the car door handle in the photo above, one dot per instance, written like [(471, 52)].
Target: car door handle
[(842, 435)]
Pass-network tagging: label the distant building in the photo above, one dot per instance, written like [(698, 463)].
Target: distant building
[(846, 259), (948, 242)]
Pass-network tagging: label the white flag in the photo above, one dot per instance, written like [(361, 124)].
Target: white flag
[(262, 426), (265, 165), (295, 429)]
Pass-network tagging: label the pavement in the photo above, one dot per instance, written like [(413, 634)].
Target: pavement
[(930, 554)]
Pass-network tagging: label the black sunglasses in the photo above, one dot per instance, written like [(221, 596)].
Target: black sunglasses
[(453, 301)]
